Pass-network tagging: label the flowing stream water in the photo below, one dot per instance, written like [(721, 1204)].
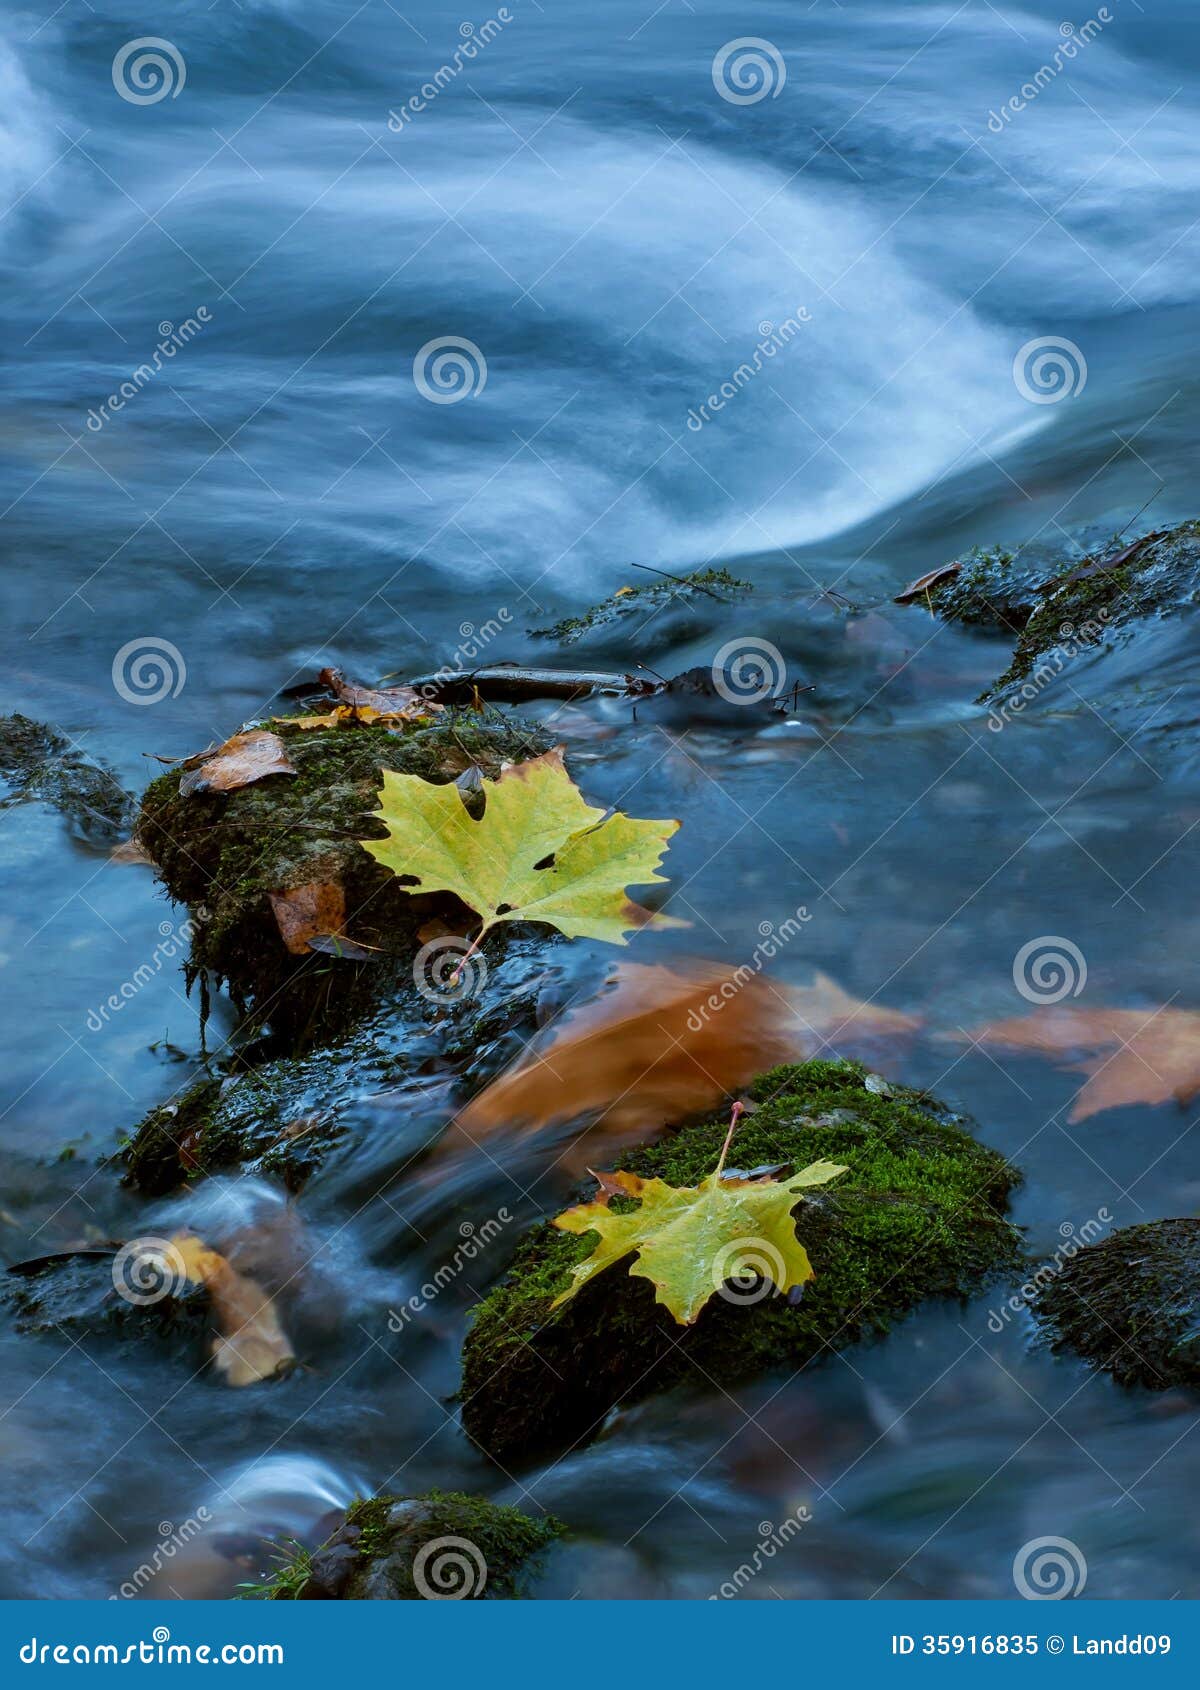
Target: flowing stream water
[(615, 239)]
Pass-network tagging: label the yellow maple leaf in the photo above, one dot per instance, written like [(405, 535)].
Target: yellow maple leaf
[(692, 1240), (532, 812)]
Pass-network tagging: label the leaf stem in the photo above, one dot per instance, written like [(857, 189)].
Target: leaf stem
[(468, 954), (739, 1109)]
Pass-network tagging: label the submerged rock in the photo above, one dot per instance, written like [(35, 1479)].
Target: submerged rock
[(688, 593), (266, 1121), (1057, 606), (224, 853), (445, 1546), (1131, 1304), (918, 1215), (281, 1116), (37, 763), (73, 1294)]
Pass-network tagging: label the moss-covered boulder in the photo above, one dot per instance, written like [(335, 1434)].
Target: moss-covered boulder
[(920, 1214), (37, 763), (1131, 1304), (223, 853), (1057, 606), (441, 1547)]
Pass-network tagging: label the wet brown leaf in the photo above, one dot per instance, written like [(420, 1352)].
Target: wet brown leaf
[(1129, 1055), (131, 851), (662, 1044), (252, 1345), (924, 584), (404, 702), (242, 760), (319, 906)]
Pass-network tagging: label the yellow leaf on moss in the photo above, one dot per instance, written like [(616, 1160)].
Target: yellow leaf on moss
[(533, 814), (691, 1240)]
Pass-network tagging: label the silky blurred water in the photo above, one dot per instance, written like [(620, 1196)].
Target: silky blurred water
[(615, 240)]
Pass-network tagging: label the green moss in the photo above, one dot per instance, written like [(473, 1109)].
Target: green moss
[(1079, 608), (1131, 1304), (919, 1215), (375, 1552), (628, 601), (222, 853), (1056, 606), (991, 590)]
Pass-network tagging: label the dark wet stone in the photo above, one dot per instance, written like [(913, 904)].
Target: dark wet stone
[(1131, 1304), (38, 764), (73, 1295)]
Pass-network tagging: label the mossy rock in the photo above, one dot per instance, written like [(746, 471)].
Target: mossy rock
[(919, 1215), (443, 1546), (221, 854), (257, 1121), (72, 1295), (994, 589), (1055, 607), (281, 1116), (686, 593), (1131, 1304), (37, 763)]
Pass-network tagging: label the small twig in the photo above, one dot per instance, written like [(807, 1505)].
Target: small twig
[(1138, 513), (682, 580)]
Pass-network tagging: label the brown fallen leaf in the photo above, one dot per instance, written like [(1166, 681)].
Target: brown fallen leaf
[(401, 701), (252, 1344), (923, 584), (242, 760), (131, 851), (833, 1022), (663, 1044), (1129, 1055), (310, 919), (1102, 565)]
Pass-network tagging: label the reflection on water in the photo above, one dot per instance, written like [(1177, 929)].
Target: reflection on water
[(282, 496)]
